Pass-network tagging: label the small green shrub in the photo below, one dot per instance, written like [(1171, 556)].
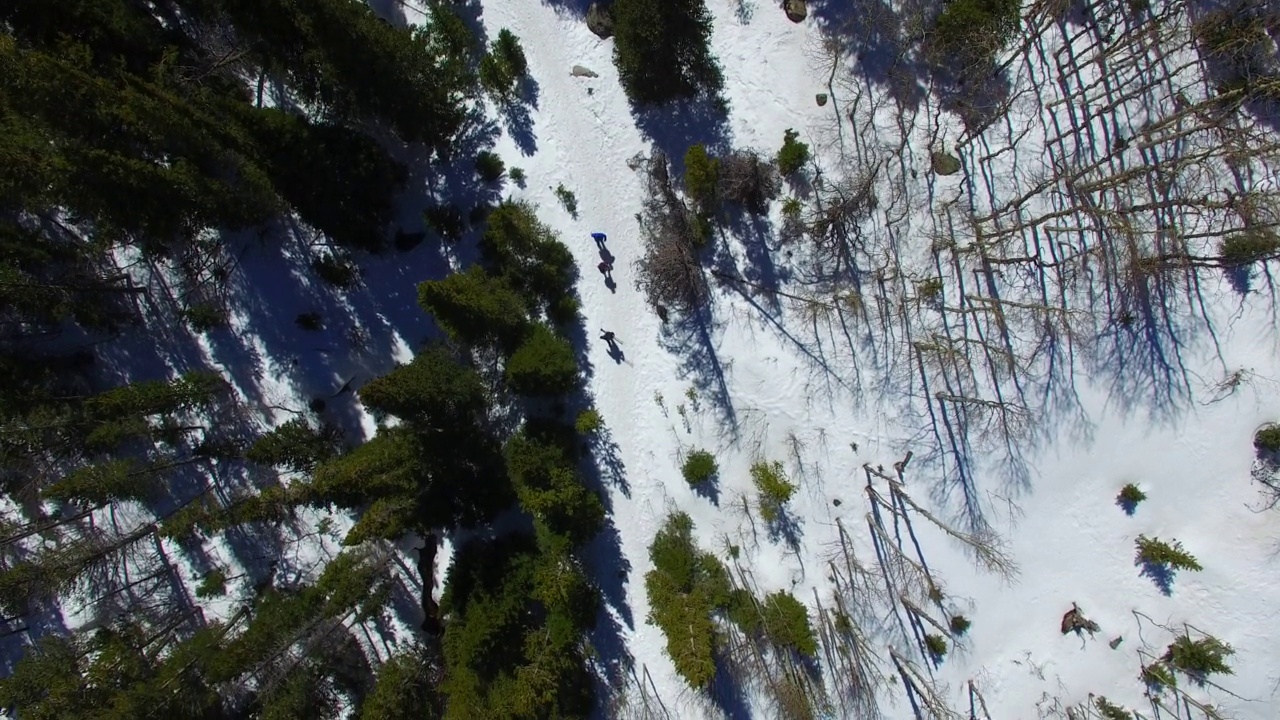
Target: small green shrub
[(588, 422), (568, 200), (1248, 247), (786, 623), (1153, 551), (774, 488), (214, 584), (517, 176), (1158, 675), (792, 208), (929, 288), (309, 321), (1110, 711), (959, 624), (1268, 438), (970, 31), (701, 177), (489, 166), (936, 645), (1129, 497), (699, 467), (338, 270), (1199, 658), (793, 155)]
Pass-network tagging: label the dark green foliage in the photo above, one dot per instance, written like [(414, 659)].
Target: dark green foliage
[(1153, 551), (1129, 497), (774, 488), (517, 176), (406, 688), (1268, 439), (489, 166), (503, 66), (699, 467), (1158, 676), (509, 653), (434, 393), (309, 321), (339, 180), (543, 364), (404, 487), (786, 623), (568, 200), (213, 584), (794, 154), (588, 422), (662, 50), (685, 587), (549, 486), (475, 308), (1199, 658), (1110, 711), (445, 220), (1248, 247), (270, 505), (936, 645), (529, 256), (337, 269), (297, 446), (972, 31), (203, 318), (701, 176), (959, 624)]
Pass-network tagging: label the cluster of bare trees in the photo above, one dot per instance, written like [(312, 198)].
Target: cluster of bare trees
[(669, 272)]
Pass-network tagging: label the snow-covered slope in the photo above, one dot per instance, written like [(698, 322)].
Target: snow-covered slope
[(765, 380)]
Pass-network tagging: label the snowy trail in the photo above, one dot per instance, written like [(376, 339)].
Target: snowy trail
[(584, 141)]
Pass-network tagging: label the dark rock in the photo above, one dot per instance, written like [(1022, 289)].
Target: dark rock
[(836, 502), (821, 98), (944, 163), (796, 10), (599, 21)]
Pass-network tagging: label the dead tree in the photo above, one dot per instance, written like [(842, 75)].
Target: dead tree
[(926, 693), (669, 272)]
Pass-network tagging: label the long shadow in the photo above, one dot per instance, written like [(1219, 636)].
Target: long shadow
[(517, 119), (679, 125), (690, 337)]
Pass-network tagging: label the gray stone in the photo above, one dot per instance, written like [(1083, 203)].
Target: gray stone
[(599, 21), (796, 10), (821, 98), (579, 71), (944, 163)]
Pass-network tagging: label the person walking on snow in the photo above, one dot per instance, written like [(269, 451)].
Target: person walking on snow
[(608, 336), (599, 237), (605, 269)]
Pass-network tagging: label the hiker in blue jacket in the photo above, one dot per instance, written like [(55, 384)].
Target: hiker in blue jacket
[(599, 237)]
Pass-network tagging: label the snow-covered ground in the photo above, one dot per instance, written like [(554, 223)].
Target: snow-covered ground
[(765, 381), (1107, 390)]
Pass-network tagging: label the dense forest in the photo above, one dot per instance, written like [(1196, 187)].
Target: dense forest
[(171, 136)]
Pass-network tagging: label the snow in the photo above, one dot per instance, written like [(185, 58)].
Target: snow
[(762, 381), (762, 394)]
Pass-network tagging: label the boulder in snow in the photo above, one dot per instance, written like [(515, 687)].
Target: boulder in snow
[(579, 71), (796, 10), (821, 98), (599, 21)]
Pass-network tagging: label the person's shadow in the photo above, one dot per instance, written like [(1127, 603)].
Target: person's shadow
[(615, 352), (609, 283)]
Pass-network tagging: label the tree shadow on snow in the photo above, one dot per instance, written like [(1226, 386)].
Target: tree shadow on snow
[(690, 338), (675, 127)]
